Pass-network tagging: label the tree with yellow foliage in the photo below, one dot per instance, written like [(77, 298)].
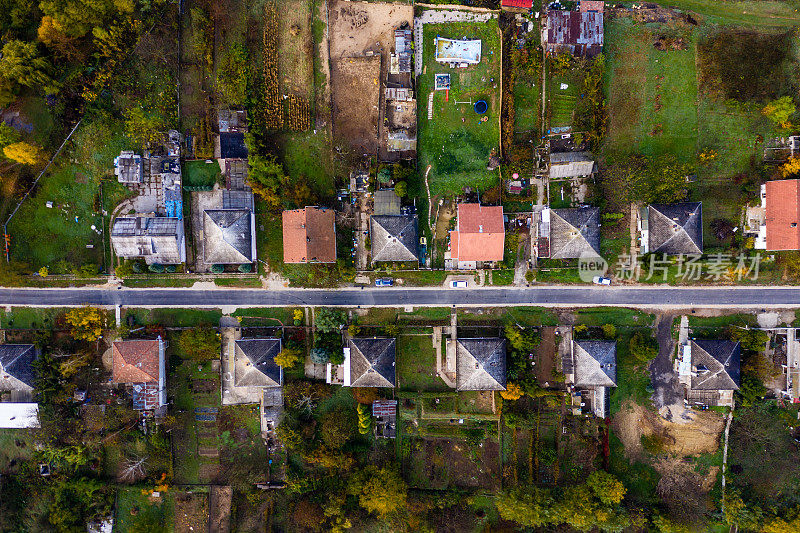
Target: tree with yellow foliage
[(512, 392), (380, 491), (288, 358), (780, 525), (791, 167), (87, 323), (780, 110), (606, 487), (22, 152)]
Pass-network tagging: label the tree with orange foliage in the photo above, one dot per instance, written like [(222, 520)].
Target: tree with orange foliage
[(512, 392)]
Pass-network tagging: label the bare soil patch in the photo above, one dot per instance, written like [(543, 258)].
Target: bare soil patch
[(546, 354), (191, 513), (360, 26), (356, 92), (357, 28), (220, 505), (691, 432)]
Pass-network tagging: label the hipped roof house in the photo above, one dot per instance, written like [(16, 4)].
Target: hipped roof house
[(574, 232), (481, 364), (675, 228), (479, 235), (309, 235), (394, 238)]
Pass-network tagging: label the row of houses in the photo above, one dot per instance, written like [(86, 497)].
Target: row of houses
[(708, 369), (138, 370)]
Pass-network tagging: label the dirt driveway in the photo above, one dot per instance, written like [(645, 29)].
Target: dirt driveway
[(665, 380)]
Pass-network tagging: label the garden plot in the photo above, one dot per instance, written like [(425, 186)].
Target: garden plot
[(451, 455), (296, 58)]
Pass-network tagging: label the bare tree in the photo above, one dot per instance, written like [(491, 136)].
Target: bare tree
[(133, 469)]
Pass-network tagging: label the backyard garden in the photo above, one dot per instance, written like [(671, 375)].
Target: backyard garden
[(456, 142)]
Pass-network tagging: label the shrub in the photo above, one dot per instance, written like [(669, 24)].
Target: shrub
[(319, 356), (155, 267), (200, 343), (245, 268), (171, 269)]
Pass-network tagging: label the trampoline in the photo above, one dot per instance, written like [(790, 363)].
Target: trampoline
[(481, 107)]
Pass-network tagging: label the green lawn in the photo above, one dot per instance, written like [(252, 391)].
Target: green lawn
[(416, 364), (133, 508), (527, 105), (652, 94), (455, 143), (618, 316), (29, 317), (562, 93), (176, 318), (10, 451), (745, 13), (59, 237), (309, 154), (198, 173)]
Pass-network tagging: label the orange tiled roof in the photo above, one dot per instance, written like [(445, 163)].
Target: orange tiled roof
[(309, 235), (783, 215), (134, 362), (480, 233)]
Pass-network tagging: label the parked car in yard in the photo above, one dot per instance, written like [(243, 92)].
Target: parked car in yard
[(458, 284), (384, 282), (600, 280)]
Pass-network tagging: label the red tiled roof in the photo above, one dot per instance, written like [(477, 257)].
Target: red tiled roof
[(309, 235), (783, 215), (526, 4), (480, 233), (135, 362)]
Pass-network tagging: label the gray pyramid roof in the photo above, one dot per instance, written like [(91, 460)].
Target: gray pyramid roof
[(17, 360), (574, 231), (372, 362), (227, 236), (595, 363), (394, 238), (717, 364), (676, 228), (481, 364), (254, 363)]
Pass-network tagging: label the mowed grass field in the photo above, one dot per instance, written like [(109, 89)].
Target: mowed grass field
[(657, 106), (653, 94), (562, 96), (782, 13), (455, 143)]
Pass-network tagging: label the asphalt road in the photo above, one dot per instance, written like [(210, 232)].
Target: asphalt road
[(550, 296)]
